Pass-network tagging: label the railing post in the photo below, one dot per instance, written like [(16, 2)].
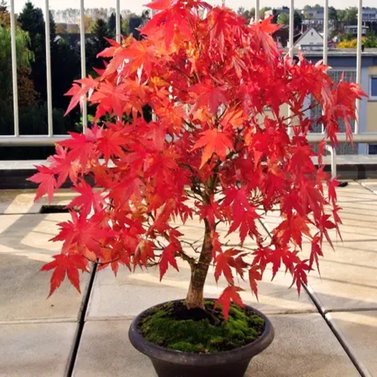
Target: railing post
[(358, 59), (291, 28), (48, 69), (118, 31), (325, 40), (83, 63), (291, 53), (325, 31), (257, 7), (16, 120), (332, 152)]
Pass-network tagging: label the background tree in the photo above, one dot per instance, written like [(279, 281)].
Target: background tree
[(348, 16), (4, 14), (283, 19), (248, 14), (333, 17), (297, 17), (96, 43), (135, 23), (25, 86), (24, 57), (31, 20), (65, 68), (262, 12), (111, 25), (370, 40)]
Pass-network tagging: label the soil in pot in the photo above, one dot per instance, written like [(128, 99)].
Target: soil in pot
[(176, 327)]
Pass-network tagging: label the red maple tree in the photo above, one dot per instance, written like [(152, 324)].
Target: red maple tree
[(220, 147)]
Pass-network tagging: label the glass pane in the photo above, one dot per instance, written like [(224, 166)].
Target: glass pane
[(373, 86)]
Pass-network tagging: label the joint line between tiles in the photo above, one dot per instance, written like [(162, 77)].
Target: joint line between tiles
[(81, 323)]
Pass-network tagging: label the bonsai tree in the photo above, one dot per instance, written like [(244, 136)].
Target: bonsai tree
[(227, 143)]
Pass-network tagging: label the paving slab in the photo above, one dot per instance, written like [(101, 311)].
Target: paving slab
[(348, 277), (348, 273), (24, 248), (106, 351), (22, 201), (35, 349), (129, 293), (359, 332), (303, 346), (370, 184)]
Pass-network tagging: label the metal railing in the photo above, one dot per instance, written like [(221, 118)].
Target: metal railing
[(50, 138)]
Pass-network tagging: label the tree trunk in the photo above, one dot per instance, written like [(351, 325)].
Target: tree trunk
[(199, 272)]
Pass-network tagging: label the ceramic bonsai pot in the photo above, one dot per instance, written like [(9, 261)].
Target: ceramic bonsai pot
[(172, 363)]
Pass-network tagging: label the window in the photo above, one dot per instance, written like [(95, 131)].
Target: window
[(372, 148), (373, 88)]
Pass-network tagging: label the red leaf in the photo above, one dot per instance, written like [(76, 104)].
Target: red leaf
[(229, 295), (144, 253), (223, 262), (300, 275), (315, 252), (84, 235), (87, 199), (213, 141), (65, 265), (168, 257), (46, 180), (207, 96), (332, 185), (79, 90), (254, 276), (244, 215), (159, 4), (216, 244), (63, 165)]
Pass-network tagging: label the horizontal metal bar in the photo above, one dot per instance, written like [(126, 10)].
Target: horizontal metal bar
[(35, 141), (30, 141), (367, 137)]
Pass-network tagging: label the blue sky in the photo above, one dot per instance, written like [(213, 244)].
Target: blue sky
[(137, 5)]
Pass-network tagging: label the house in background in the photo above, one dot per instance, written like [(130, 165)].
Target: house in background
[(310, 40), (352, 29), (369, 14), (313, 17), (343, 64)]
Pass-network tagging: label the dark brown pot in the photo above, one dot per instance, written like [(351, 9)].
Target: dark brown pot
[(171, 363)]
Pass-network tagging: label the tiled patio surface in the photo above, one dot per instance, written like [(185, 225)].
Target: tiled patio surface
[(338, 312)]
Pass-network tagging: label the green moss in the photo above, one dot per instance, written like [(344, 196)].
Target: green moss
[(175, 327)]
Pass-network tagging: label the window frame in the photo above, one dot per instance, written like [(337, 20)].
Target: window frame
[(372, 96)]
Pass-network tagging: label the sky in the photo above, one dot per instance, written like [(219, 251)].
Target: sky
[(137, 5)]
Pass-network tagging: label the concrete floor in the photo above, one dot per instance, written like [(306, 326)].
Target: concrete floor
[(329, 331)]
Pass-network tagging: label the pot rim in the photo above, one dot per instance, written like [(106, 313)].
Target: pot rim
[(190, 358)]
